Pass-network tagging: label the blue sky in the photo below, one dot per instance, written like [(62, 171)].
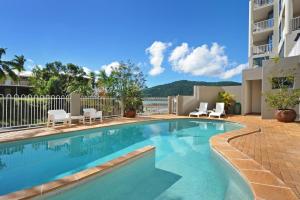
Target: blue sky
[(95, 33)]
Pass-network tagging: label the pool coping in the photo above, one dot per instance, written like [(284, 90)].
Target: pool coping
[(263, 183), (44, 189)]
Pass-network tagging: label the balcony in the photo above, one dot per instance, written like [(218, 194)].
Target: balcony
[(296, 23), (8, 82), (262, 3), (262, 49), (263, 25)]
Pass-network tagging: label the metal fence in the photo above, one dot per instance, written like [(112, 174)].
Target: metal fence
[(26, 111), (155, 105), (109, 106), (31, 111)]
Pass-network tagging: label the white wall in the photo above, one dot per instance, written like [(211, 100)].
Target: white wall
[(275, 70), (209, 94)]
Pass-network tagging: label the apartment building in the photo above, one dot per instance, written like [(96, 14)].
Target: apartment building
[(274, 47), (21, 86)]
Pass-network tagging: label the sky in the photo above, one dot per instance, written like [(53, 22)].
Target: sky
[(169, 39)]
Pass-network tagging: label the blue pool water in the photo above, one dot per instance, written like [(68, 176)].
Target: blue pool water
[(183, 167)]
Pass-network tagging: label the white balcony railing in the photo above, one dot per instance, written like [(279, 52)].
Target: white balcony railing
[(262, 49), (296, 23), (262, 3), (263, 25)]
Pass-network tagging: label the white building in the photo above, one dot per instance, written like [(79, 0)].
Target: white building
[(274, 32)]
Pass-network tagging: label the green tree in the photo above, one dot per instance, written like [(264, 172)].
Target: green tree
[(226, 98), (125, 83), (283, 96), (92, 76), (9, 68), (59, 79)]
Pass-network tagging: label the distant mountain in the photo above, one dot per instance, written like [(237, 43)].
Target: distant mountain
[(182, 87)]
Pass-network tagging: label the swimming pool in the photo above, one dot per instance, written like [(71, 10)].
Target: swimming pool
[(184, 166)]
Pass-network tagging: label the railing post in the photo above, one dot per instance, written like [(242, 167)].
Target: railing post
[(170, 99), (75, 104)]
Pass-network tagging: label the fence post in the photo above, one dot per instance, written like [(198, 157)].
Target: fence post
[(179, 102), (75, 104), (170, 99)]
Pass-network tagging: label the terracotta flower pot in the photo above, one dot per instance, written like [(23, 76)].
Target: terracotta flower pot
[(130, 113), (287, 115)]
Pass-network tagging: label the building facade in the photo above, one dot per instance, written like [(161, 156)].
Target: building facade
[(274, 47), (21, 86)]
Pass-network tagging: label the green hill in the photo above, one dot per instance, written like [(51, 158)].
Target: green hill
[(182, 87)]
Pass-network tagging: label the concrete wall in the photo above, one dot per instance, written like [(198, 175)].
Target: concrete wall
[(273, 69), (236, 91), (75, 104), (209, 94), (294, 46), (249, 75), (256, 96)]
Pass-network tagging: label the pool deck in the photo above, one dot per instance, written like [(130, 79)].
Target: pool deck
[(265, 152)]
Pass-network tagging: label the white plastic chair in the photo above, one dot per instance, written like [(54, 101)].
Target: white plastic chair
[(92, 114), (55, 116), (202, 110), (218, 111)]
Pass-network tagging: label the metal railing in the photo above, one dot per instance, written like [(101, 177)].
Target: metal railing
[(262, 49), (263, 25), (296, 23), (261, 3), (9, 82), (155, 105), (27, 111), (109, 106)]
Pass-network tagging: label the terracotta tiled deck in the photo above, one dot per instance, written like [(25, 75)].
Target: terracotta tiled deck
[(276, 148), (258, 156)]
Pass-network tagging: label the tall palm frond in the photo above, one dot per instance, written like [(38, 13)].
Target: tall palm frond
[(2, 52), (7, 68)]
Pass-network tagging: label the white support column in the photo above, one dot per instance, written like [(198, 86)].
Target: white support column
[(288, 16), (250, 30)]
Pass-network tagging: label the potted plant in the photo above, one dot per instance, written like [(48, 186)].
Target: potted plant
[(283, 97), (107, 108), (125, 83), (227, 99)]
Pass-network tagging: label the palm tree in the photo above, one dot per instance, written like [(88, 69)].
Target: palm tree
[(9, 68)]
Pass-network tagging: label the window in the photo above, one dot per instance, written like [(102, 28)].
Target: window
[(282, 82), (258, 61)]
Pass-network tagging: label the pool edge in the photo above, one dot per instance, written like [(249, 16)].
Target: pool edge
[(40, 190), (263, 183)]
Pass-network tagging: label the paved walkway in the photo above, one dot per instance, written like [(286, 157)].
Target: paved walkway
[(276, 148)]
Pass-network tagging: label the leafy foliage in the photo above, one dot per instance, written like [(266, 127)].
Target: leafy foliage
[(182, 87), (125, 83), (58, 79), (284, 97), (9, 68), (226, 98)]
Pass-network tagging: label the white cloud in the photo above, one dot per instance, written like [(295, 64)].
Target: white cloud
[(199, 61), (156, 52), (203, 61), (234, 71), (110, 67), (86, 70)]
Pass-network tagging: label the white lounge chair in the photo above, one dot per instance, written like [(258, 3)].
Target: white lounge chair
[(202, 110), (55, 116), (92, 114), (218, 111)]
